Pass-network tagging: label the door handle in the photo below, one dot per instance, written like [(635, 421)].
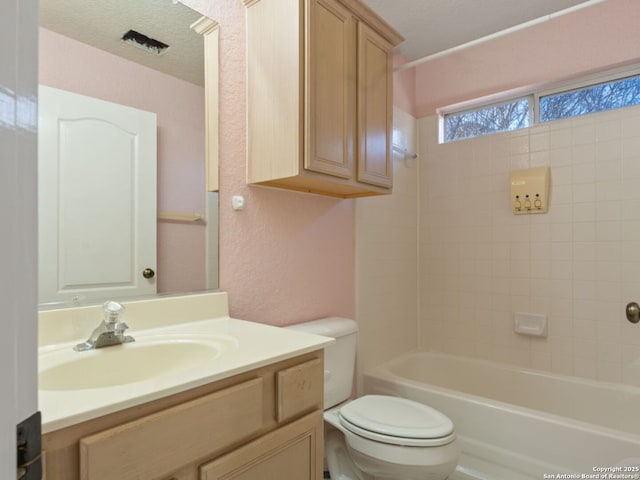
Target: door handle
[(633, 312), (148, 273)]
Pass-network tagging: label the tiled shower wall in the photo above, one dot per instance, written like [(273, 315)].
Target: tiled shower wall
[(579, 263), (387, 259)]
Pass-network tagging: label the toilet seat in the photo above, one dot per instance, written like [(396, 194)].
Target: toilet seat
[(396, 421)]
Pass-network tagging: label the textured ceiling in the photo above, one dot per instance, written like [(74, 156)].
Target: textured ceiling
[(432, 26), (429, 26), (101, 23)]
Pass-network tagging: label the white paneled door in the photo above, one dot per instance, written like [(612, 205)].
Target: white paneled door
[(18, 222), (97, 198)]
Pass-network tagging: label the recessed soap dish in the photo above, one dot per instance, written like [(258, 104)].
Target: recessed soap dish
[(534, 324)]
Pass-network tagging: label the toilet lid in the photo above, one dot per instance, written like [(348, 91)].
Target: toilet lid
[(395, 417)]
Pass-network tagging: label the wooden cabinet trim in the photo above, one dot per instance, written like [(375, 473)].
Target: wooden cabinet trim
[(210, 31), (330, 89), (368, 16), (275, 93), (375, 108), (363, 12)]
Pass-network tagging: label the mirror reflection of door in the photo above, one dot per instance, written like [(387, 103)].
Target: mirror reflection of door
[(97, 199), (81, 51)]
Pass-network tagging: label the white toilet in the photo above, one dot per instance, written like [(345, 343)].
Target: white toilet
[(377, 436)]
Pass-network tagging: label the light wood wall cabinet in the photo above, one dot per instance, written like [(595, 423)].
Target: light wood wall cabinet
[(266, 423), (320, 97)]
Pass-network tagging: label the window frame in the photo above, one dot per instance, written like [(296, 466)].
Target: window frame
[(485, 106), (587, 81), (534, 95)]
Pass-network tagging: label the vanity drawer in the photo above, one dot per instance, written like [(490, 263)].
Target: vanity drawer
[(153, 446), (299, 390)]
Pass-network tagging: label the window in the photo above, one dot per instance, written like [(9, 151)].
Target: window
[(594, 98), (502, 117), (613, 90)]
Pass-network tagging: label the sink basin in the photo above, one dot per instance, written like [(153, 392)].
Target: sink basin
[(151, 358)]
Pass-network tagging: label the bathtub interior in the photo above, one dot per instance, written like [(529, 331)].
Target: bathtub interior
[(501, 440)]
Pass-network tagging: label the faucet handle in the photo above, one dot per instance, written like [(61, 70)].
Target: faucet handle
[(112, 311)]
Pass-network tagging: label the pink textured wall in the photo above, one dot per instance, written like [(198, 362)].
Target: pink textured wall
[(601, 35), (287, 257), (74, 66), (404, 86)]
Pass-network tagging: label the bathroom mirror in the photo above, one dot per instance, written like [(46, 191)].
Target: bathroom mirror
[(82, 52)]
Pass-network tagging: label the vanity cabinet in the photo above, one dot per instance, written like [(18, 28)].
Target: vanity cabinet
[(266, 423), (320, 97)]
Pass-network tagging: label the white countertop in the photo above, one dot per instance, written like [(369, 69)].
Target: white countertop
[(248, 345)]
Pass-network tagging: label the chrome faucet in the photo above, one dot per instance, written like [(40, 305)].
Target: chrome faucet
[(110, 331)]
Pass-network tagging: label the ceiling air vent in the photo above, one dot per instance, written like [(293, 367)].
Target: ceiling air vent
[(140, 40)]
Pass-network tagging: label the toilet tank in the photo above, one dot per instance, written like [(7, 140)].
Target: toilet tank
[(339, 358)]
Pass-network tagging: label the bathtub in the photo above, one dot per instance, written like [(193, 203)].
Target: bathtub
[(520, 424)]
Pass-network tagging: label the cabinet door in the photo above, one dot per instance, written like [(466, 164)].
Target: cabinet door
[(154, 446), (330, 87), (375, 108), (293, 452)]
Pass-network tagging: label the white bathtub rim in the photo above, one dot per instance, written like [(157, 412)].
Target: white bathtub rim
[(623, 387)]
